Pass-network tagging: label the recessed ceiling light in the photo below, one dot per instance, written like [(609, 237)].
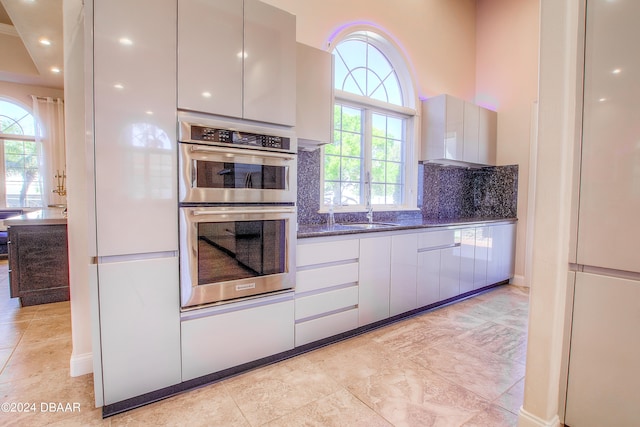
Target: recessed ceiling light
[(149, 112), (242, 54), (125, 41), (55, 70), (206, 94), (44, 41), (617, 71), (602, 99), (118, 86)]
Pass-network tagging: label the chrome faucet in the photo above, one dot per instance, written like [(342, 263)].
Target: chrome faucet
[(368, 205)]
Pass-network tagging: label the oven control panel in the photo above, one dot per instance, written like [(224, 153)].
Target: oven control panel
[(227, 136)]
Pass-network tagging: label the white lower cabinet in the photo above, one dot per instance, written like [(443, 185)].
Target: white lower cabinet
[(403, 295), (449, 272), (481, 257), (327, 289), (428, 290), (232, 334), (467, 259), (375, 276), (139, 327), (502, 240)]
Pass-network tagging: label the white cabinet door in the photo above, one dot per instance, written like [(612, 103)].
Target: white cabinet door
[(454, 133), (467, 259), (404, 270), (210, 43), (501, 253), (449, 273), (314, 95), (139, 327), (481, 257), (605, 349), (428, 286), (375, 272), (269, 64), (487, 136), (135, 126), (470, 137)]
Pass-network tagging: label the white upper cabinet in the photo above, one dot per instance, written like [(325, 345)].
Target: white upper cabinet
[(269, 64), (453, 129), (210, 45), (134, 89), (238, 59), (314, 94)]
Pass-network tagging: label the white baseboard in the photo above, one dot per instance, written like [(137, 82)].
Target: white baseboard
[(518, 281), (81, 364), (527, 419)]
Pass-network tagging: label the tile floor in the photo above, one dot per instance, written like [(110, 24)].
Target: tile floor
[(461, 365)]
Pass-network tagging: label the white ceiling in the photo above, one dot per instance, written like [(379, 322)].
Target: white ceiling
[(24, 59)]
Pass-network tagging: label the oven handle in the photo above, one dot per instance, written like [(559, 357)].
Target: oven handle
[(245, 152), (242, 211)]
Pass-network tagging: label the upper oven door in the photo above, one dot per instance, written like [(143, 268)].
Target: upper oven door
[(210, 174)]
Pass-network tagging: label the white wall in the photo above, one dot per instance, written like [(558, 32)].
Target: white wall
[(78, 201), (507, 81)]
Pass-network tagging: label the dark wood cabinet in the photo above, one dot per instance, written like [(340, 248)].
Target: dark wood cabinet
[(38, 263)]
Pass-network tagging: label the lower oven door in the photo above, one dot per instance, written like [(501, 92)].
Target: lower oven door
[(228, 253)]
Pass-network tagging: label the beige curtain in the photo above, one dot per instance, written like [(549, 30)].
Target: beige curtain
[(49, 114)]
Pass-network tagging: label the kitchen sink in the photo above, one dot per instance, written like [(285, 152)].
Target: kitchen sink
[(367, 225)]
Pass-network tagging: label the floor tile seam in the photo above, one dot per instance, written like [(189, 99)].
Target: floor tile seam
[(238, 407), (368, 406)]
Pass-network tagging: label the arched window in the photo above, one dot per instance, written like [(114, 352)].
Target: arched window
[(369, 162), (20, 158)]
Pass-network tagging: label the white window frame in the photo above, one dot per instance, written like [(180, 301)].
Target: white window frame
[(370, 105)]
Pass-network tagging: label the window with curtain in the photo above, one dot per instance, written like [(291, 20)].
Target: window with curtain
[(20, 158), (372, 140)]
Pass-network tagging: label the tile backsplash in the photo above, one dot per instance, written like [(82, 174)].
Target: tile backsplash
[(444, 192)]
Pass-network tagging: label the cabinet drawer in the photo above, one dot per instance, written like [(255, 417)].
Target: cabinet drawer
[(325, 302), (320, 278), (325, 252), (211, 344), (327, 326), (438, 238)]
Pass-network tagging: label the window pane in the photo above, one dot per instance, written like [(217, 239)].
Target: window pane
[(394, 128), (394, 173), (351, 144), (378, 171), (332, 168), (350, 169), (378, 149), (15, 120), (350, 194), (332, 193), (378, 196), (352, 52), (351, 119), (394, 151), (379, 123), (394, 195), (378, 62), (334, 147)]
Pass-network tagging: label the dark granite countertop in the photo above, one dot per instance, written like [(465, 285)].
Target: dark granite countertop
[(322, 230)]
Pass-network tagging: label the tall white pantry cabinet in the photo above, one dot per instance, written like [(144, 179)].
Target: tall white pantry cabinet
[(133, 84), (603, 374)]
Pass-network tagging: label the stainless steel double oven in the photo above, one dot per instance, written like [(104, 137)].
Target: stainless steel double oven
[(237, 191)]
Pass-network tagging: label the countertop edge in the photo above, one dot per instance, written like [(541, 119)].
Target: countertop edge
[(325, 232)]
